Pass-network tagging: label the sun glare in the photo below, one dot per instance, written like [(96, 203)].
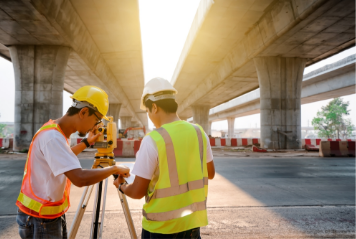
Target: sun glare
[(164, 28)]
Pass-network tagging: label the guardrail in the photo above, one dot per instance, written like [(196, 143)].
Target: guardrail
[(337, 149), (233, 141), (316, 142), (6, 143)]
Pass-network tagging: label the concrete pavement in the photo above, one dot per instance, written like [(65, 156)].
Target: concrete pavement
[(284, 197)]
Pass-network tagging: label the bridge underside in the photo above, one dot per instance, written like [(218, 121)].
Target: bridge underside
[(104, 43), (223, 55)]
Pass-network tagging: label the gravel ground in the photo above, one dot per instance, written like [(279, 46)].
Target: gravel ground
[(254, 222)]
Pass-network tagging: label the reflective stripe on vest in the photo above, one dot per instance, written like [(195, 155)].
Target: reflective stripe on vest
[(41, 208), (175, 188), (181, 212), (28, 202)]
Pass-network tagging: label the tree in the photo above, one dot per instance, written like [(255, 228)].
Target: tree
[(330, 120), (2, 129)]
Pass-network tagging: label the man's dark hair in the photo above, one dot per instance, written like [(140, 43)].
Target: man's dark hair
[(72, 111), (167, 105)]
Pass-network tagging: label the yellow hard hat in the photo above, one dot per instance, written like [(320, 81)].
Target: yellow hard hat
[(95, 97)]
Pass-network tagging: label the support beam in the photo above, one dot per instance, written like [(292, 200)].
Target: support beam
[(39, 83), (125, 122), (231, 127), (209, 129), (114, 111), (201, 116), (280, 81)]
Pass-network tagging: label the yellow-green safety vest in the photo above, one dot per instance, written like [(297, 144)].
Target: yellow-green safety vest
[(178, 200)]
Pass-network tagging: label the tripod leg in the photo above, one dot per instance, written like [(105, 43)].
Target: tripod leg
[(80, 212), (97, 212), (94, 210), (103, 208), (126, 209)]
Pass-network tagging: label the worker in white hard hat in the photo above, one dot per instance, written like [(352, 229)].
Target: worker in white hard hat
[(52, 165), (172, 169)]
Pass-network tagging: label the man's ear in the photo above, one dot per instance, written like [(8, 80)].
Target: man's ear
[(82, 112), (154, 108)]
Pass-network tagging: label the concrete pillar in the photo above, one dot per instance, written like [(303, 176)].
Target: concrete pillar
[(39, 82), (135, 124), (114, 110), (125, 122), (209, 129), (201, 116), (280, 81), (231, 127)]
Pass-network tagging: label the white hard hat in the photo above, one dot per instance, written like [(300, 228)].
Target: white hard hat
[(155, 86)]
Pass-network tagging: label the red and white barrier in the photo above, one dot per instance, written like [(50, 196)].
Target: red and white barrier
[(6, 143), (316, 142), (233, 142), (337, 148), (127, 148)]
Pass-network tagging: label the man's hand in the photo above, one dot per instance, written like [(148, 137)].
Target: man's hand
[(119, 181), (136, 190), (92, 137), (85, 177), (121, 170)]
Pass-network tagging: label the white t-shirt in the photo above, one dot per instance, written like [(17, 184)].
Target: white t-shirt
[(51, 157), (147, 158)]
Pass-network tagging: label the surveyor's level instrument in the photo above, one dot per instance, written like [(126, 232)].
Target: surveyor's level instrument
[(103, 158)]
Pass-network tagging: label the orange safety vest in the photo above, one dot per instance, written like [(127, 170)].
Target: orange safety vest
[(28, 202)]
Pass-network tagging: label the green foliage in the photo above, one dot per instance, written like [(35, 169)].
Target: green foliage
[(2, 129), (330, 121)]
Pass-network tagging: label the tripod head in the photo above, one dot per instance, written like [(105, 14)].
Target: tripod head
[(106, 143)]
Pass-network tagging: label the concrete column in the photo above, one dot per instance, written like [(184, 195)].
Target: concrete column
[(114, 111), (125, 122), (209, 129), (39, 82), (201, 116), (231, 127), (280, 81), (135, 124)]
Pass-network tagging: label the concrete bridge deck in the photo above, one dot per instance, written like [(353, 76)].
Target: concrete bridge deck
[(330, 81)]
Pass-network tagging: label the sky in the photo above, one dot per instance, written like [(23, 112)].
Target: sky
[(164, 28)]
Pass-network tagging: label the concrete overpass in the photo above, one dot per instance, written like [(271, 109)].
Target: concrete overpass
[(330, 81), (235, 47), (66, 44)]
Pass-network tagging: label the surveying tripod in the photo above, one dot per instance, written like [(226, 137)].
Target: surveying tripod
[(103, 158)]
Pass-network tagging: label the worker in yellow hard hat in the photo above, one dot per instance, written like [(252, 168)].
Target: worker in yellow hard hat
[(172, 169), (52, 165)]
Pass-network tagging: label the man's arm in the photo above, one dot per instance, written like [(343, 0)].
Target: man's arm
[(136, 190), (211, 170), (85, 177), (77, 149), (209, 158)]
